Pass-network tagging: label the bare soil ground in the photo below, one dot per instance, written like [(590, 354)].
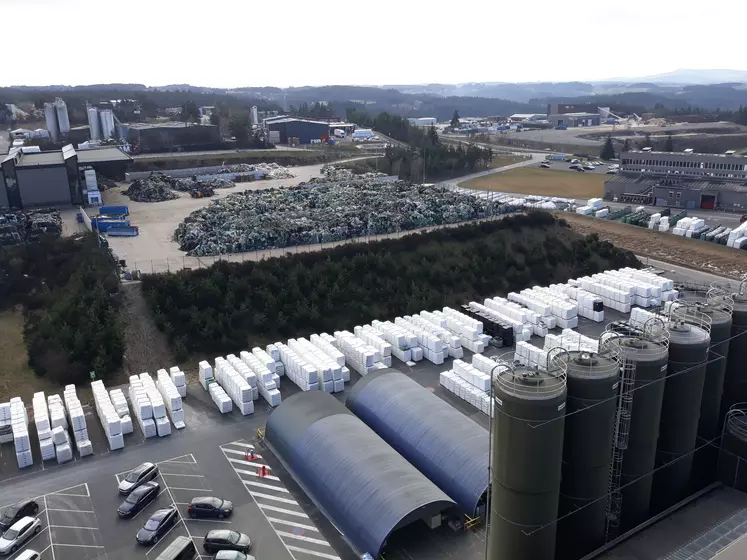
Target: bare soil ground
[(692, 253), (539, 181)]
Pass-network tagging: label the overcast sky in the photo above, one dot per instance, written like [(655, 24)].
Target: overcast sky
[(228, 43)]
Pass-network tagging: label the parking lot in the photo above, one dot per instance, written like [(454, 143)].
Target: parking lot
[(603, 168)]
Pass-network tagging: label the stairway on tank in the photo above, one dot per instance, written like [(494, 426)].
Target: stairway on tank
[(710, 543)]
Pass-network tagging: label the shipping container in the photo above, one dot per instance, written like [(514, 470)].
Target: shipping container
[(115, 210)]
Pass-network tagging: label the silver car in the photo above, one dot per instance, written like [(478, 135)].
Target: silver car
[(19, 533), (137, 476)]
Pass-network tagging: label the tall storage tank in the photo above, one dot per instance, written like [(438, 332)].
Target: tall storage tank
[(93, 123), (528, 427), (735, 377), (50, 116), (689, 341), (62, 119), (645, 357), (719, 307), (593, 384), (106, 117), (732, 461)]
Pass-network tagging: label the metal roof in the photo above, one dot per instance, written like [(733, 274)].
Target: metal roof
[(295, 119), (441, 442), (101, 155), (364, 487), (41, 159)]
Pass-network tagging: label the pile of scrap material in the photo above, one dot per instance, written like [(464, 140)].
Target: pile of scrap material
[(321, 213), (332, 173), (19, 227), (270, 170), (157, 188)]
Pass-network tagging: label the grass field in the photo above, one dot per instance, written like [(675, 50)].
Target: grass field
[(503, 161), (16, 378), (544, 182)]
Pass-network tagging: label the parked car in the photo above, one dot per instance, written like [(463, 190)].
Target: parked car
[(232, 555), (29, 554), (545, 165), (574, 166), (588, 167), (137, 476), (612, 172), (210, 507), (575, 161), (226, 540), (158, 525), (138, 499), (19, 533), (16, 512), (580, 170)]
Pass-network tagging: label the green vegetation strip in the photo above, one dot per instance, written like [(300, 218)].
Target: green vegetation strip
[(230, 306)]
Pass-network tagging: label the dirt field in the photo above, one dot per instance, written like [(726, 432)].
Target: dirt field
[(539, 181), (503, 161), (692, 253), (16, 378)]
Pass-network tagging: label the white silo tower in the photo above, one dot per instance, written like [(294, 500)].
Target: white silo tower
[(93, 123), (62, 118), (106, 116), (255, 118), (50, 115)]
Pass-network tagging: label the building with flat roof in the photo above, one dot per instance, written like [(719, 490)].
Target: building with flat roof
[(521, 117), (56, 177), (565, 108), (306, 130), (574, 119), (681, 180), (169, 136)]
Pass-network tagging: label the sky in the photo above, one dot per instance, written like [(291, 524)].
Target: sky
[(233, 43)]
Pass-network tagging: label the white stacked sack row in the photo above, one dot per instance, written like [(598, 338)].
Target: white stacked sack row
[(468, 330), (108, 416), (737, 236), (402, 343), (273, 352), (586, 304), (77, 421), (6, 430), (142, 407), (120, 405), (664, 223), (172, 398), (653, 221), (555, 311), (220, 397), (43, 426), (584, 210), (19, 422), (452, 343), (324, 343), (329, 372), (235, 386), (499, 310), (595, 203), (360, 356), (472, 375), (371, 336), (275, 366), (640, 293), (297, 369), (665, 286), (487, 366), (62, 448), (639, 317), (529, 355), (451, 381), (240, 365), (571, 341), (163, 424), (205, 374), (179, 379), (611, 297), (268, 383), (434, 350), (602, 213)]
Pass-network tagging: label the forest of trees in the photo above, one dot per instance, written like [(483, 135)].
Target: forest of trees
[(228, 307), (425, 157), (69, 292)]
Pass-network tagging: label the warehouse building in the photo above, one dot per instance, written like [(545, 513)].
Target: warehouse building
[(55, 178), (574, 119), (565, 108), (304, 130), (169, 136), (680, 180), (422, 121), (526, 117), (363, 486)]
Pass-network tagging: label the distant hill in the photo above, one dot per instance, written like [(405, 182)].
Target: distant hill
[(684, 76)]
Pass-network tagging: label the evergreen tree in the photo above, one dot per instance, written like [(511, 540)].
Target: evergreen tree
[(669, 147), (626, 145), (433, 136), (608, 150), (455, 119)]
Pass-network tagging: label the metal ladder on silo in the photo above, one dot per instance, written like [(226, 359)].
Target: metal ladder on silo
[(620, 444)]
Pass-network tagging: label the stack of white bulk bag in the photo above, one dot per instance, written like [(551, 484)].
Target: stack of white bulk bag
[(360, 356), (737, 235), (107, 415), (653, 221), (453, 383), (63, 450), (265, 359), (43, 426), (529, 355), (329, 372), (241, 365), (472, 375), (57, 416), (433, 349), (563, 311), (179, 380), (141, 407), (370, 336), (466, 328), (453, 346), (612, 297), (297, 369), (602, 213), (77, 421), (337, 356), (498, 310), (400, 341), (120, 405), (571, 341), (331, 342), (6, 430), (262, 380), (20, 425), (664, 223), (163, 425), (487, 366), (273, 352), (206, 374), (235, 386), (171, 397)]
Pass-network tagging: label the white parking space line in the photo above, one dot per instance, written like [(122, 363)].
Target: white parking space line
[(268, 486), (73, 527), (274, 498), (303, 538), (252, 473), (242, 453), (180, 474), (281, 510), (190, 520), (292, 524), (313, 552), (72, 510), (78, 545), (190, 489)]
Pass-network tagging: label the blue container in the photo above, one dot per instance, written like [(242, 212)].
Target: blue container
[(122, 231), (115, 210), (103, 225)]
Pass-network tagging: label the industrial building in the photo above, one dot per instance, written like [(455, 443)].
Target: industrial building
[(363, 486), (528, 117), (166, 136), (57, 177), (305, 130), (574, 119), (565, 108), (422, 121), (681, 180)]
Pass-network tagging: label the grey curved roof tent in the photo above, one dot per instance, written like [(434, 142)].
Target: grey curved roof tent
[(446, 446), (362, 485)]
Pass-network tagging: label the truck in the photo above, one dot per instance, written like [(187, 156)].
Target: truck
[(339, 133)]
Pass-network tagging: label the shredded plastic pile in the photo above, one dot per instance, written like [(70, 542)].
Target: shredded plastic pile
[(271, 170), (157, 188), (332, 173), (323, 212), (18, 227)]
